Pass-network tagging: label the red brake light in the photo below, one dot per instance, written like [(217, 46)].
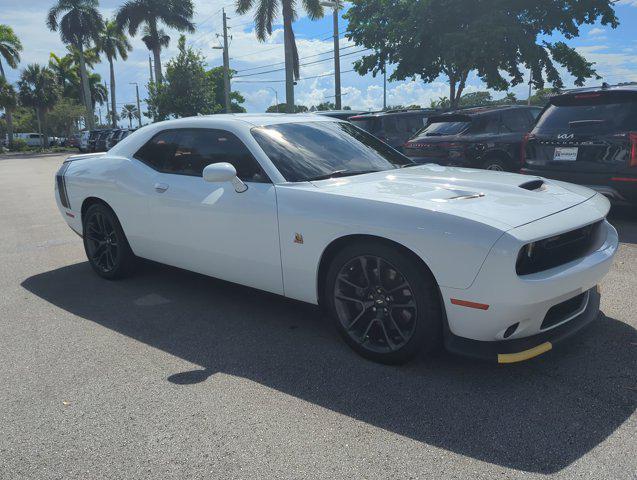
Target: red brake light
[(523, 145), (588, 95), (633, 149)]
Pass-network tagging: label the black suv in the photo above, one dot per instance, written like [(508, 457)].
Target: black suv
[(393, 127), (481, 137), (589, 137)]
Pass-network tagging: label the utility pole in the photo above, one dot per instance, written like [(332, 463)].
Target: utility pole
[(226, 65), (139, 110), (108, 110), (150, 68), (528, 102), (335, 5), (384, 87)]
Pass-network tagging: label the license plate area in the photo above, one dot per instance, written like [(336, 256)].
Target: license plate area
[(565, 154)]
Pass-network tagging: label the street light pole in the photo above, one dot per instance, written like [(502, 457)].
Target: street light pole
[(139, 111), (276, 96)]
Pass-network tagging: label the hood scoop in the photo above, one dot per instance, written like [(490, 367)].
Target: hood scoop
[(533, 185), (457, 194)]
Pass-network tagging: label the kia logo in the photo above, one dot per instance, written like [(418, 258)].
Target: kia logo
[(565, 136)]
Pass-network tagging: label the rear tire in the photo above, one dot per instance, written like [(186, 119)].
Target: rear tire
[(384, 305), (105, 243)]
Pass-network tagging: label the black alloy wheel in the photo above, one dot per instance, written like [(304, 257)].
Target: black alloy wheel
[(385, 306), (105, 244), (375, 304)]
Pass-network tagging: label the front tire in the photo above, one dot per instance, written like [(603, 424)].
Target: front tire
[(385, 305), (105, 243)]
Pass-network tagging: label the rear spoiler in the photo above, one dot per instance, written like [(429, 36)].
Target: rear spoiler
[(83, 156)]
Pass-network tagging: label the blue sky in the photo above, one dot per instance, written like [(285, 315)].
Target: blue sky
[(614, 51)]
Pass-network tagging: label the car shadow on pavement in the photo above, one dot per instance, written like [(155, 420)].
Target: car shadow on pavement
[(538, 416)]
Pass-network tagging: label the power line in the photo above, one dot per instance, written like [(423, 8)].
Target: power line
[(281, 45), (300, 58), (299, 80), (302, 64)]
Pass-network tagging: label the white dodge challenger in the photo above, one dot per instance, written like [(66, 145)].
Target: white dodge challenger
[(404, 257)]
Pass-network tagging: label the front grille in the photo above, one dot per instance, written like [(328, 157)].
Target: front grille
[(557, 250), (564, 311)]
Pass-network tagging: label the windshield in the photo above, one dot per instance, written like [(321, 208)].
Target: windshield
[(589, 116), (443, 128), (313, 150)]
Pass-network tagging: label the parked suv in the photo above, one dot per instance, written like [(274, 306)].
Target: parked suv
[(588, 136), (482, 137), (92, 140), (393, 127)]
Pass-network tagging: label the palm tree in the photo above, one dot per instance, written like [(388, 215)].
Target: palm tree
[(8, 101), (130, 111), (175, 14), (40, 90), (79, 26), (10, 48), (266, 12), (112, 42), (66, 72), (99, 93)]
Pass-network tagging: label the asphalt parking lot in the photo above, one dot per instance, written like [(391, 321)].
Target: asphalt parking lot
[(170, 374)]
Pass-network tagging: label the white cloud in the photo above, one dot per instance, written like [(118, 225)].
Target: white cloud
[(596, 31)]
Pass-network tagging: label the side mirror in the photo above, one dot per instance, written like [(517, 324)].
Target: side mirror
[(224, 172)]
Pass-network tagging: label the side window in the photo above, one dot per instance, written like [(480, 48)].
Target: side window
[(485, 124), (515, 121), (390, 126), (188, 151), (158, 151)]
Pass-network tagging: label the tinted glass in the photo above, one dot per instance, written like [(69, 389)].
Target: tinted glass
[(301, 151), (444, 128), (369, 124), (485, 124), (188, 151), (515, 121), (597, 115)]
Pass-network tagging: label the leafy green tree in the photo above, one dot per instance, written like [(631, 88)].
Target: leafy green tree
[(39, 89), (187, 89), (8, 102), (113, 42), (541, 97), (64, 116), (10, 48), (79, 23), (324, 106), (236, 99), (130, 112), (281, 108), (175, 14), (265, 13), (492, 38)]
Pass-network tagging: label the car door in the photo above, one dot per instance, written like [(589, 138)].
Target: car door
[(209, 227)]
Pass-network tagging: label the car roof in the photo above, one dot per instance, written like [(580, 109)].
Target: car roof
[(253, 119), (407, 111), (482, 110)]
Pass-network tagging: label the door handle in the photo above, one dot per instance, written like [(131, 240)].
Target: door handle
[(161, 187)]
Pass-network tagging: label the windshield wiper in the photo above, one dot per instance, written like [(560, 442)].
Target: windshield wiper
[(340, 173)]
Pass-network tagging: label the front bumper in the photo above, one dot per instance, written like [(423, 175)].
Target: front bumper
[(521, 349)]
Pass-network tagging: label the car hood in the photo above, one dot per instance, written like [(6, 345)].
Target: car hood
[(502, 200)]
